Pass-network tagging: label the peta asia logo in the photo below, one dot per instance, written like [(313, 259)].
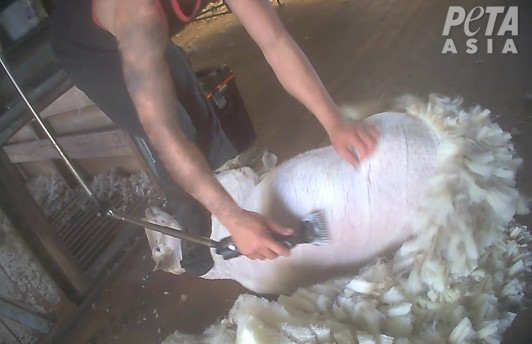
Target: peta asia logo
[(501, 21)]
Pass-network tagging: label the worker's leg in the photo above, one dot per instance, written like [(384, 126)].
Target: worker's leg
[(210, 137), (213, 143)]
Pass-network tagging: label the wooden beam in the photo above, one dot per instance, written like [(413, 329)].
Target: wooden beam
[(72, 100), (29, 220), (94, 145), (24, 316), (60, 166), (18, 116), (88, 118)]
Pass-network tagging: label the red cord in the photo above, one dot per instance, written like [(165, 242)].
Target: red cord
[(179, 12)]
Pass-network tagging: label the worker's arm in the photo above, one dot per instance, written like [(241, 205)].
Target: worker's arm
[(142, 33), (298, 77)]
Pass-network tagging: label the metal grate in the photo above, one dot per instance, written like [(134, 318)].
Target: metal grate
[(95, 241)]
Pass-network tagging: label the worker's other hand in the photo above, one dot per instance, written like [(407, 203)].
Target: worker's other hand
[(252, 234), (354, 140)]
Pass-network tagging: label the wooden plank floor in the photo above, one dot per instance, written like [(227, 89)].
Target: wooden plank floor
[(363, 50)]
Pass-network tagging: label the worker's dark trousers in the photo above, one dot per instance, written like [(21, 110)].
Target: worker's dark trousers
[(100, 76)]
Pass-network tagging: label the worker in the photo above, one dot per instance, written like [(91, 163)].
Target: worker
[(120, 53)]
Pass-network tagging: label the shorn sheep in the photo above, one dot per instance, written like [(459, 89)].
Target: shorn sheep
[(423, 243)]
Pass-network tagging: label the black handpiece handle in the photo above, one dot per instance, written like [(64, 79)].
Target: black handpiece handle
[(228, 250)]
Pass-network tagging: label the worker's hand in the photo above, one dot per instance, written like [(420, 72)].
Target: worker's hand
[(353, 140), (252, 232)]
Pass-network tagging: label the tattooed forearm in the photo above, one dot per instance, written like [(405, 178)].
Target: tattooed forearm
[(147, 76)]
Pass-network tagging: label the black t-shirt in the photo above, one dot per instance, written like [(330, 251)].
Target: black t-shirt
[(75, 31)]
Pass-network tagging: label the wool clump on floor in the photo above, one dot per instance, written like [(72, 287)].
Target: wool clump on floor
[(456, 281), (52, 194)]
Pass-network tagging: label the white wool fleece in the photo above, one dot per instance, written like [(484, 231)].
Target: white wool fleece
[(453, 281)]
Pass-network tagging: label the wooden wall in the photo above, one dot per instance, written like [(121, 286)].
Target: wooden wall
[(83, 131)]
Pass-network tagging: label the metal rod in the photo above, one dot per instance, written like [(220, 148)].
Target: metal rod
[(49, 135), (105, 211), (165, 230)]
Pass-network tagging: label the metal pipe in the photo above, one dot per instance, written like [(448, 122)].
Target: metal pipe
[(165, 230), (49, 135), (105, 210)]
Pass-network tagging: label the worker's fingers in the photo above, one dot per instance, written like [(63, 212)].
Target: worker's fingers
[(362, 144), (269, 254), (373, 131), (266, 249), (370, 135), (263, 254), (279, 249), (278, 229), (351, 155), (358, 145), (273, 248)]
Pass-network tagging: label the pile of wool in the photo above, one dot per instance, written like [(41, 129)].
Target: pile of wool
[(126, 186), (456, 281), (52, 193)]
